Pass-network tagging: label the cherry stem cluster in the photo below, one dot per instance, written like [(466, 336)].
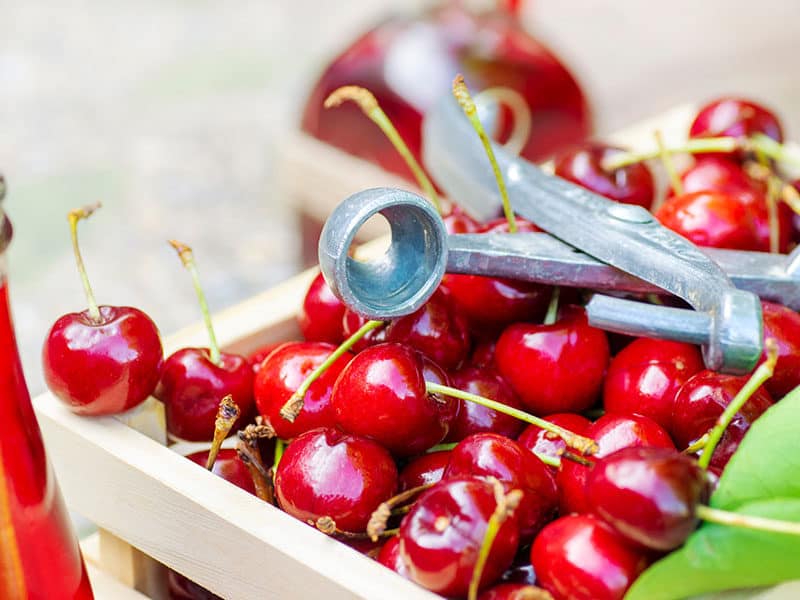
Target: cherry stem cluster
[(74, 216), (380, 516)]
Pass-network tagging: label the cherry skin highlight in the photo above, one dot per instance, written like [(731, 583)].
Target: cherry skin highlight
[(424, 470), (390, 557), (782, 325), (320, 316), (735, 117), (546, 443)]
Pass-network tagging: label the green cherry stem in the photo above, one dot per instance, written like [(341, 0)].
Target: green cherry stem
[(775, 150), (368, 104), (441, 447), (552, 308), (187, 258), (759, 376), (691, 146), (669, 164), (461, 94), (580, 443), (724, 517), (697, 445), (280, 445), (294, 404), (74, 216)]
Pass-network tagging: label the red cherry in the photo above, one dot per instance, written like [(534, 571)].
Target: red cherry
[(483, 353), (648, 495), (554, 368), (424, 470), (281, 375), (474, 418), (492, 455), (632, 184), (611, 432), (229, 466), (702, 400), (326, 473), (320, 317), (257, 356), (352, 322), (390, 557), (441, 537), (512, 591), (782, 325), (578, 557), (735, 117), (457, 221), (646, 375), (191, 387), (106, 366), (543, 442)]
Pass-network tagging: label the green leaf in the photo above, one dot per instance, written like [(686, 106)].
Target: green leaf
[(721, 557), (767, 462)]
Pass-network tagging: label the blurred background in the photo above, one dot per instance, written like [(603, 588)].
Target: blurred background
[(175, 113)]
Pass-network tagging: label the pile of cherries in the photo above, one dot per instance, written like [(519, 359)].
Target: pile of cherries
[(417, 441)]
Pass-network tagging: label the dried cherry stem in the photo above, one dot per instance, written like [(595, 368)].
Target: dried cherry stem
[(552, 308), (248, 452), (380, 516), (759, 376), (294, 404), (368, 104), (697, 445), (669, 165), (580, 443), (227, 413), (74, 216), (506, 505), (328, 526), (187, 258), (461, 94), (724, 517), (521, 114), (577, 458)]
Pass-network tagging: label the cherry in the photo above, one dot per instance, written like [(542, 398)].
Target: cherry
[(483, 353), (632, 184), (735, 117), (352, 322), (702, 400), (320, 317), (105, 359), (611, 432), (390, 557), (257, 356), (227, 465), (578, 557), (381, 395), (545, 443), (554, 368), (647, 374), (458, 221), (281, 375), (782, 325), (180, 587), (424, 470), (327, 473), (437, 329), (474, 418), (512, 591), (492, 455), (442, 534)]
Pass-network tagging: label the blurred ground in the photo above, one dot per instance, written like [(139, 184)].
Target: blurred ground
[(169, 110)]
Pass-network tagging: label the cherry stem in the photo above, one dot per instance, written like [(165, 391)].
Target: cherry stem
[(328, 526), (785, 191), (773, 194), (697, 445), (441, 447), (380, 516), (280, 445), (521, 114), (669, 165), (368, 104), (724, 517), (775, 150), (580, 443), (187, 258), (294, 404), (791, 197), (551, 461), (759, 376), (461, 94), (74, 216), (690, 146), (249, 454), (552, 308), (227, 414)]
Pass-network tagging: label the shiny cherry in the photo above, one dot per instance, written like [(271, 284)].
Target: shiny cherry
[(782, 325), (424, 470), (578, 557), (735, 117), (441, 537), (390, 557), (632, 184), (257, 356), (647, 374), (327, 473), (381, 395), (554, 368), (281, 375), (352, 322), (648, 495), (320, 316), (546, 443), (229, 466)]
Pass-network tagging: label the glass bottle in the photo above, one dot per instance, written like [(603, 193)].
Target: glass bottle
[(39, 553)]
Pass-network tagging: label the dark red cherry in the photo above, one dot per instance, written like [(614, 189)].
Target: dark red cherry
[(512, 591), (546, 443), (632, 184), (191, 387), (104, 366), (702, 400), (735, 117), (390, 557), (611, 432), (327, 473), (648, 495), (228, 466), (474, 418), (441, 537), (352, 322), (437, 329), (424, 470), (554, 368), (646, 375), (492, 455), (281, 375), (521, 570), (256, 358), (458, 221), (578, 557), (381, 395), (320, 316), (782, 325), (483, 353)]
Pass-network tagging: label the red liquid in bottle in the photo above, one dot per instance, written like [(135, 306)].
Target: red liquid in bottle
[(39, 553)]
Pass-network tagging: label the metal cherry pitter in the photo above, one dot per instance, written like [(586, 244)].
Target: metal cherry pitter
[(591, 243)]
